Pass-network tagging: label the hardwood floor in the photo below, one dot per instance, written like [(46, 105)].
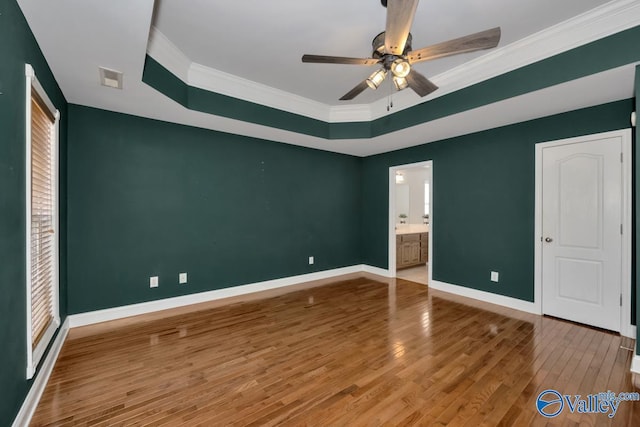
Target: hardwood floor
[(356, 352)]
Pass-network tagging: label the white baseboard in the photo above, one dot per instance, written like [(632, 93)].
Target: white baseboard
[(39, 383), (502, 300), (92, 317), (35, 393), (629, 331), (635, 370), (530, 307), (635, 363), (376, 270)]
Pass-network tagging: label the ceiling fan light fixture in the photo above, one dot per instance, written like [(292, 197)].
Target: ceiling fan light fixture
[(392, 49), (376, 78), (400, 82), (400, 67)]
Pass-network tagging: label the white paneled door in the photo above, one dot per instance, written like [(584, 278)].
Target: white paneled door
[(582, 231)]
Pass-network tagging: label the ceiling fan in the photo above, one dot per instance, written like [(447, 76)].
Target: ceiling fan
[(392, 50)]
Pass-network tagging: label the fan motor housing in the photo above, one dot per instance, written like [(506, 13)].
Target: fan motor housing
[(378, 45)]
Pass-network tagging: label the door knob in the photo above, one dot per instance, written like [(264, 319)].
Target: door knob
[(548, 239)]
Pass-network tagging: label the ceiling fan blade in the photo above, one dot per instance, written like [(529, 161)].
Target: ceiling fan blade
[(400, 15), (322, 59), (478, 41), (420, 84), (355, 91)]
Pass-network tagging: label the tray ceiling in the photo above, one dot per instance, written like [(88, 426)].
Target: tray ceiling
[(251, 50)]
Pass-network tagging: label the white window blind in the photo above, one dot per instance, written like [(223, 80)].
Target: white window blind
[(42, 219)]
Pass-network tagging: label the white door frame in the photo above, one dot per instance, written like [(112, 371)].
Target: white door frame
[(392, 215), (626, 329)]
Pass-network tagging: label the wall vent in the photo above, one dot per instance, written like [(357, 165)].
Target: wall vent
[(110, 78)]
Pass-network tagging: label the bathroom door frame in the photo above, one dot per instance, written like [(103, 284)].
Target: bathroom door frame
[(392, 215)]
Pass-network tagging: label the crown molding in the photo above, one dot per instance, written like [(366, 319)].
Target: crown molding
[(223, 83), (197, 75), (164, 51), (350, 113), (602, 21)]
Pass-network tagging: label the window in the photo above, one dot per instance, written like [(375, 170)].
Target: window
[(43, 317)]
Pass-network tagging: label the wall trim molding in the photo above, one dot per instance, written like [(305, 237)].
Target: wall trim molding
[(32, 399), (377, 271), (173, 59), (98, 316), (509, 302), (600, 22), (217, 81), (605, 20), (635, 364)]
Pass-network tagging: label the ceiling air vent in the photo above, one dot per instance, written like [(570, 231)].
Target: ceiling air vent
[(110, 78)]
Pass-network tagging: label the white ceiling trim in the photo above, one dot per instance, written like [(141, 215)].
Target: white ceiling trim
[(164, 51), (593, 90), (611, 85), (227, 84), (349, 113), (169, 56), (600, 22), (608, 19), (88, 29)]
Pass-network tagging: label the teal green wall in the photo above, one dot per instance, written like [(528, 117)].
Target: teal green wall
[(144, 197), (17, 47), (600, 55), (161, 79), (483, 198), (152, 198)]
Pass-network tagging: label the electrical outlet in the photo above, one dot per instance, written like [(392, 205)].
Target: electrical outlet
[(311, 260), (494, 276), (182, 278), (153, 281)]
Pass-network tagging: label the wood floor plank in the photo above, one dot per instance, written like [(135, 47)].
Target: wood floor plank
[(361, 351)]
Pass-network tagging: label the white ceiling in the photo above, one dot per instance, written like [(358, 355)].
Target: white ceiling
[(261, 42)]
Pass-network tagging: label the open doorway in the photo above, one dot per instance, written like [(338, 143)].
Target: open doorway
[(411, 221)]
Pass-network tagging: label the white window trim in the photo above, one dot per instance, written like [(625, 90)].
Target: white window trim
[(34, 356)]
